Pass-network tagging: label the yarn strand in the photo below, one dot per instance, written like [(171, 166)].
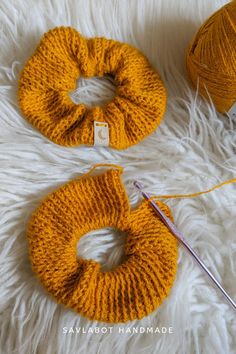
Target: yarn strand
[(97, 165), (193, 195)]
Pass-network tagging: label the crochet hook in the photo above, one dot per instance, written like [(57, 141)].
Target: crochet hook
[(179, 236)]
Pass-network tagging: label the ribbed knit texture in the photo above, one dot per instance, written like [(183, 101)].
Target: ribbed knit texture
[(64, 55), (137, 286), (211, 58)]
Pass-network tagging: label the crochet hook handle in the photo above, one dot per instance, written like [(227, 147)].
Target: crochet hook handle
[(179, 236)]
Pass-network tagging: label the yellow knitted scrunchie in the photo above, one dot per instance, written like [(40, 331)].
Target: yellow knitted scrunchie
[(137, 286), (62, 56)]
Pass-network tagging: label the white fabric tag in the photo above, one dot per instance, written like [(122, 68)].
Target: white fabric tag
[(232, 112), (101, 134)]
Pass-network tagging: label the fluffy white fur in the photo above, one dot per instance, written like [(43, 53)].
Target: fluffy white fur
[(193, 149)]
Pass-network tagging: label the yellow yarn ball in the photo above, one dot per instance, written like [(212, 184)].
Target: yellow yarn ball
[(211, 58)]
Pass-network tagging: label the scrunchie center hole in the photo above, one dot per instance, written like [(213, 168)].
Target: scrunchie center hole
[(105, 246), (94, 91)]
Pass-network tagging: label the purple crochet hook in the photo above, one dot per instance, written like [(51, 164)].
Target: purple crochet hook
[(178, 235)]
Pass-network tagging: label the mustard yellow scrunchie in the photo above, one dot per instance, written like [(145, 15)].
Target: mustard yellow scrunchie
[(62, 56), (137, 286)]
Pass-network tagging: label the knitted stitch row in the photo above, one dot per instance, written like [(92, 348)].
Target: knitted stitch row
[(64, 55), (132, 290)]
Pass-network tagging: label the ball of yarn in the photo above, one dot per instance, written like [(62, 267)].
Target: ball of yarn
[(211, 58)]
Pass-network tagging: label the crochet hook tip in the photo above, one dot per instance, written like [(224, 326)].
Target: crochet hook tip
[(138, 185)]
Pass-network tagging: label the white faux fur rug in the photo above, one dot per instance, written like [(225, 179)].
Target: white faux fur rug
[(194, 149)]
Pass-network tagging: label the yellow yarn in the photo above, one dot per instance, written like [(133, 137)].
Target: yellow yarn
[(136, 287), (196, 194), (211, 58), (62, 56)]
